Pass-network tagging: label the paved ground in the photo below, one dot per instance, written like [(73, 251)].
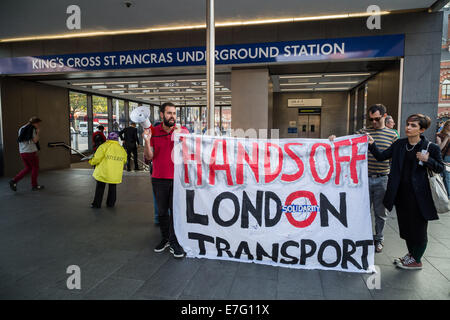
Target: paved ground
[(41, 233)]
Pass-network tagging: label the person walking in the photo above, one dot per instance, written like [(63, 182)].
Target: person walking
[(28, 148), (130, 137), (443, 140), (98, 137), (108, 160), (408, 187)]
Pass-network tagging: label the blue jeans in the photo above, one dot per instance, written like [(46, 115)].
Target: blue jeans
[(377, 189), (447, 175)]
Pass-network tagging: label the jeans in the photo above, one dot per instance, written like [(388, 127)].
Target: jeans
[(100, 189), (447, 175), (31, 162), (377, 189), (163, 189)]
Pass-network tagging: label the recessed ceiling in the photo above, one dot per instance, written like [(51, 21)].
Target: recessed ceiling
[(181, 90)]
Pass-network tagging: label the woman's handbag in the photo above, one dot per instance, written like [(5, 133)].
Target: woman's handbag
[(438, 191)]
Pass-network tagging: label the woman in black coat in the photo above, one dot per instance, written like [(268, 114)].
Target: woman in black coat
[(408, 187)]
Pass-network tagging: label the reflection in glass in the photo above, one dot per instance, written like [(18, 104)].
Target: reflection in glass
[(78, 121)]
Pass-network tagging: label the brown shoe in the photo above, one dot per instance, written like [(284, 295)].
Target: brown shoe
[(410, 264)]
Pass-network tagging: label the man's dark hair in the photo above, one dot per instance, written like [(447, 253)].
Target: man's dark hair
[(378, 107), (101, 127), (162, 108), (34, 120)]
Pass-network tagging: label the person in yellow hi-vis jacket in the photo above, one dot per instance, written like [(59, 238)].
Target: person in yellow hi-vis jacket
[(108, 160)]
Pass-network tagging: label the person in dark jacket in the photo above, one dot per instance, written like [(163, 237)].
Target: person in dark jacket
[(408, 187), (130, 137), (98, 137)]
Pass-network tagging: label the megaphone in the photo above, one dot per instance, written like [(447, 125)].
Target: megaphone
[(140, 116)]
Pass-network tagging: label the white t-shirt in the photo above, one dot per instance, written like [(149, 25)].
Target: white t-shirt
[(27, 146)]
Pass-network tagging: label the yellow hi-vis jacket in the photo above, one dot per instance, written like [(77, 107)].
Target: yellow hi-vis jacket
[(109, 160)]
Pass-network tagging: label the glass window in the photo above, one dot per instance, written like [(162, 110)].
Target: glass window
[(193, 122), (446, 91), (78, 119), (156, 117), (226, 121), (119, 119), (217, 119), (203, 118), (100, 111)]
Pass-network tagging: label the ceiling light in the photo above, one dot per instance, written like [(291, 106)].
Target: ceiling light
[(311, 89), (331, 89), (305, 76), (88, 84), (153, 81), (347, 74), (339, 82), (298, 84), (126, 82)]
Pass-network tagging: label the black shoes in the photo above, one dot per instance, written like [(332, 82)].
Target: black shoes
[(162, 246), (177, 251), (13, 185), (37, 188), (95, 206)]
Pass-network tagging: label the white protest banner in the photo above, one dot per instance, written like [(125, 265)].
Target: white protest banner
[(297, 203)]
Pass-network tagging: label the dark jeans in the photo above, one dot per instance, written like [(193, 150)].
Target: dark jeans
[(163, 189), (100, 189), (135, 156)]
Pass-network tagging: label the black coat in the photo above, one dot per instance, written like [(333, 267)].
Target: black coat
[(130, 137), (419, 177)]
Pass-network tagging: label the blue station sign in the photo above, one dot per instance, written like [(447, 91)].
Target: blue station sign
[(274, 52)]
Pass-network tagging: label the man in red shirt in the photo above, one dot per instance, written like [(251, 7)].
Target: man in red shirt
[(158, 148)]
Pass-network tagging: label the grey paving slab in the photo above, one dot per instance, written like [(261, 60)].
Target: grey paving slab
[(213, 280), (253, 270), (250, 288), (299, 283), (114, 288), (286, 295), (171, 278), (394, 294)]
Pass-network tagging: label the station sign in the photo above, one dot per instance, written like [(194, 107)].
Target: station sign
[(257, 53), (304, 102)]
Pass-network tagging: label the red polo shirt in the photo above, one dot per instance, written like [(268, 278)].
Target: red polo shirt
[(162, 143)]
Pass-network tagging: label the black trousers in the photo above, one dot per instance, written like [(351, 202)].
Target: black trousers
[(163, 189), (135, 156), (100, 189)]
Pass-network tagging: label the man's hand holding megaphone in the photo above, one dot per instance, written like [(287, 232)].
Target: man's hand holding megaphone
[(147, 135)]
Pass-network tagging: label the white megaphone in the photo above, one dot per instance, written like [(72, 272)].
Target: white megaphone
[(140, 116)]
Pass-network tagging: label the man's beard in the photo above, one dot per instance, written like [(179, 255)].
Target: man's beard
[(167, 122)]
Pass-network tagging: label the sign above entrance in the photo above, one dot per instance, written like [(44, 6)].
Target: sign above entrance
[(304, 102), (274, 52), (309, 111)]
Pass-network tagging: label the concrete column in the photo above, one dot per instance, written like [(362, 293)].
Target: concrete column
[(250, 99)]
